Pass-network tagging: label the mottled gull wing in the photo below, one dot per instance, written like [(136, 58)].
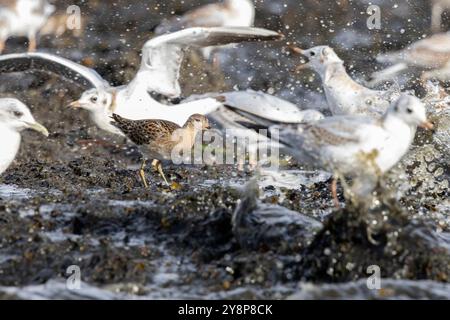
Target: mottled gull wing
[(305, 141), (46, 62), (334, 132), (162, 56)]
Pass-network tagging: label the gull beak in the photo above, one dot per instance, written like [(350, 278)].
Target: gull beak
[(297, 50), (304, 64), (427, 125), (75, 105), (38, 127)]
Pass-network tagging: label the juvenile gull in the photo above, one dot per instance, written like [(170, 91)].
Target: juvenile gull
[(23, 18), (353, 146), (157, 138), (159, 73), (344, 95), (431, 54), (14, 118)]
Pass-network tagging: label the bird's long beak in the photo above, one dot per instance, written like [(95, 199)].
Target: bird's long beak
[(427, 125), (38, 127), (304, 63), (75, 105), (297, 50)]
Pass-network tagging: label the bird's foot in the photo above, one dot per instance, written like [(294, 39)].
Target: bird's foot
[(32, 45), (143, 178), (334, 193)]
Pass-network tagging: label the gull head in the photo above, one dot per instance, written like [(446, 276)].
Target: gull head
[(94, 100), (48, 9), (198, 122), (41, 6), (317, 58), (16, 116), (411, 110)]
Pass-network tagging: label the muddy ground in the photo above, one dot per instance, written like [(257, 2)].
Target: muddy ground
[(76, 199)]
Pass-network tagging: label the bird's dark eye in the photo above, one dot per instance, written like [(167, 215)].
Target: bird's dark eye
[(312, 53), (409, 110), (94, 99), (18, 114)]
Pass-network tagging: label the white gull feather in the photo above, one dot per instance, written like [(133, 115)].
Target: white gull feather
[(253, 104)]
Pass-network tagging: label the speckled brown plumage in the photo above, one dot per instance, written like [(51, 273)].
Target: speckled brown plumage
[(156, 138), (145, 131)]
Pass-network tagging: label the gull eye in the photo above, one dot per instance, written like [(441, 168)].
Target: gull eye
[(18, 114), (94, 99), (409, 110), (312, 53)]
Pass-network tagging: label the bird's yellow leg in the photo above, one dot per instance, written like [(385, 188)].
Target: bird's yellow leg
[(32, 45), (216, 61), (161, 172), (155, 164), (334, 192), (142, 174)]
